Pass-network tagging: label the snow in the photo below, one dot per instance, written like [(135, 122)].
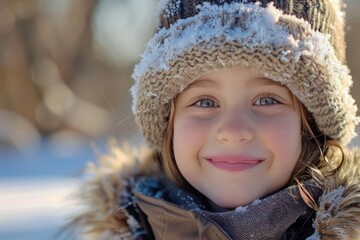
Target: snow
[(37, 188), (172, 8), (244, 208), (256, 202), (330, 202), (151, 94), (258, 27), (241, 209), (254, 27), (160, 7), (332, 199), (35, 206), (187, 201)]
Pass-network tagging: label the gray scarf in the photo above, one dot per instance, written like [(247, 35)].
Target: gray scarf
[(267, 218)]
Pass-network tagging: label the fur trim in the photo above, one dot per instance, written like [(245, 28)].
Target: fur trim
[(102, 217), (337, 217)]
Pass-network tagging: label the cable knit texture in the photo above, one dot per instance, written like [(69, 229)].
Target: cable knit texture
[(297, 43)]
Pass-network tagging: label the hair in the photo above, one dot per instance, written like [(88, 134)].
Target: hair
[(167, 154), (320, 156)]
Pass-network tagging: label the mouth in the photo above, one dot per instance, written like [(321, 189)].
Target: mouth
[(230, 163)]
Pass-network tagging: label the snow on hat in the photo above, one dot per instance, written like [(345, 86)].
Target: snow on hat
[(299, 43)]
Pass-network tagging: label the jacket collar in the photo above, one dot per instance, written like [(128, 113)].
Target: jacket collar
[(268, 218), (337, 216)]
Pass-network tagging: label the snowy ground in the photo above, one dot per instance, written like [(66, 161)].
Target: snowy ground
[(36, 190), (34, 208)]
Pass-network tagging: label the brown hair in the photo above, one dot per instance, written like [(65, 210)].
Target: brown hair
[(168, 159), (320, 155)]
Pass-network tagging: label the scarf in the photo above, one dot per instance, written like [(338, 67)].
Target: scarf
[(266, 218)]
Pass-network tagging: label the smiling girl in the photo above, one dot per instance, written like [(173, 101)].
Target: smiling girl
[(230, 130), (246, 109)]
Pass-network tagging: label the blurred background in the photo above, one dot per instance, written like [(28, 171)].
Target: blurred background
[(65, 74)]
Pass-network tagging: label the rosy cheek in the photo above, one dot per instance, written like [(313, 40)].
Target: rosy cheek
[(284, 135), (189, 131), (286, 127)]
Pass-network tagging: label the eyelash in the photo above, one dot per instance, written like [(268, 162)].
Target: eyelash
[(258, 100), (198, 103), (256, 103)]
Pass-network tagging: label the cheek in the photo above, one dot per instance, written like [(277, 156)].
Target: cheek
[(188, 134), (188, 139), (287, 133), (284, 138)]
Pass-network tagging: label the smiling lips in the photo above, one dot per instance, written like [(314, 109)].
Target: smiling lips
[(231, 163)]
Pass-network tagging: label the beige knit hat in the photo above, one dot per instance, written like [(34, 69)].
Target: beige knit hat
[(299, 43)]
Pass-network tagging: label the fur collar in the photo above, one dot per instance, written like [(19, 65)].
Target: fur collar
[(337, 216)]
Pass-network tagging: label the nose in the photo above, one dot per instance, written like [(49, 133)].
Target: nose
[(235, 128)]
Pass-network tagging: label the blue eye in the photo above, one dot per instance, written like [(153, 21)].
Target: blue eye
[(206, 103), (266, 101)]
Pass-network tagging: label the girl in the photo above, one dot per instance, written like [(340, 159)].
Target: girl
[(247, 112)]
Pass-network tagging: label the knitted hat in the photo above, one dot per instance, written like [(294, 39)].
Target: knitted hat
[(299, 43)]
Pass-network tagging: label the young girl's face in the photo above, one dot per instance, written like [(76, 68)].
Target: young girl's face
[(237, 136)]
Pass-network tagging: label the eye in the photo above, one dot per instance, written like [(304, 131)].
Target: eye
[(206, 103), (263, 101)]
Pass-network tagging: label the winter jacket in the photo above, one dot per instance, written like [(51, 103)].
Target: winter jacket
[(126, 197)]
